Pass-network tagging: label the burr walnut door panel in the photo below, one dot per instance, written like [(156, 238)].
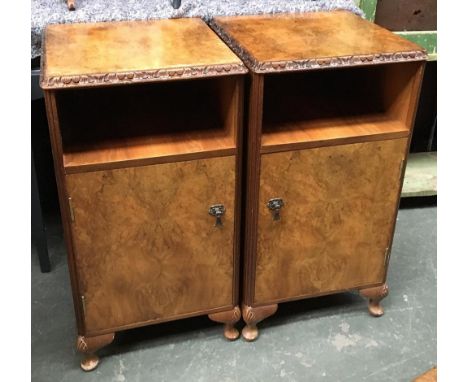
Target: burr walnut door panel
[(336, 221), (145, 246)]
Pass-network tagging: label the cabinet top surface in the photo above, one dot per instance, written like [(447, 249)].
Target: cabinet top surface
[(100, 54), (286, 42)]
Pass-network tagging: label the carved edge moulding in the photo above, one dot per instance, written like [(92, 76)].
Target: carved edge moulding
[(137, 76), (319, 63), (89, 343), (100, 79), (253, 313)]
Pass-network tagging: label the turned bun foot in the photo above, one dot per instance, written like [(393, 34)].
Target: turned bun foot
[(252, 316), (250, 332), (375, 296), (229, 318), (89, 362), (231, 333), (89, 346), (375, 309)]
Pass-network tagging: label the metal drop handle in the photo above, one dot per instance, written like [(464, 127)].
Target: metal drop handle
[(275, 205), (217, 210)]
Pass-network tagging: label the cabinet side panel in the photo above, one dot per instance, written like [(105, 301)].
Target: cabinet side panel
[(335, 224), (252, 169), (146, 248), (57, 152)]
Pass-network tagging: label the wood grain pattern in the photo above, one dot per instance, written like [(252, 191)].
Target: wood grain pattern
[(252, 174), (150, 123), (84, 55), (237, 108), (336, 220), (57, 153), (415, 91), (360, 117), (311, 109), (146, 248), (289, 42)]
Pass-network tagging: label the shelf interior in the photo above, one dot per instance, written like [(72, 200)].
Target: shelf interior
[(105, 127), (320, 106)]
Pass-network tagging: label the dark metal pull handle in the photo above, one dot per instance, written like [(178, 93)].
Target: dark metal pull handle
[(217, 210), (275, 205)]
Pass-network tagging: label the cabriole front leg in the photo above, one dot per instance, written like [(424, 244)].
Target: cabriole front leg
[(375, 295), (229, 319), (89, 346), (252, 316)]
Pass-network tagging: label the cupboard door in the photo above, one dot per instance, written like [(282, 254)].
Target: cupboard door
[(336, 222), (146, 247)]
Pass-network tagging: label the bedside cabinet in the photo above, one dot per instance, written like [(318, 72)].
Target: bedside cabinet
[(146, 126), (332, 100)]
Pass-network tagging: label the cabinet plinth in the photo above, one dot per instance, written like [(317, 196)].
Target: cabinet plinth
[(332, 100), (146, 138)]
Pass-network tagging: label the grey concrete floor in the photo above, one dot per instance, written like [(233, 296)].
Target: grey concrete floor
[(324, 339)]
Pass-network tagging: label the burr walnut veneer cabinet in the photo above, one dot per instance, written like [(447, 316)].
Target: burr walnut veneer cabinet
[(332, 100), (145, 120)]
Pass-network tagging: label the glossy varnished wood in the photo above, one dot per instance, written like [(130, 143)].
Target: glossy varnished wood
[(252, 316), (375, 295), (252, 174), (57, 154), (409, 118), (137, 169), (330, 107), (88, 346), (146, 248), (334, 140), (150, 123), (229, 318), (286, 42), (83, 55), (335, 225)]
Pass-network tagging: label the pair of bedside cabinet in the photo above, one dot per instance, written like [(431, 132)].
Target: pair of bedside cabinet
[(167, 183)]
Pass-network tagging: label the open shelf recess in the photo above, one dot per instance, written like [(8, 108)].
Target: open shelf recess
[(337, 106), (114, 127)]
